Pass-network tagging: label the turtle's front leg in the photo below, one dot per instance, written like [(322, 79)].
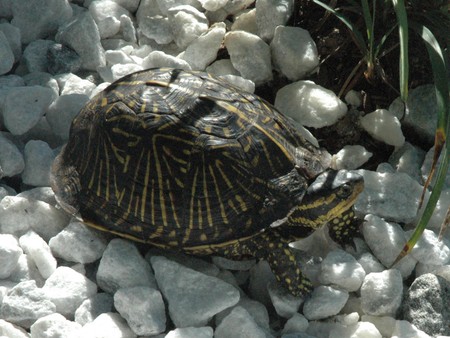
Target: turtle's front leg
[(274, 248)]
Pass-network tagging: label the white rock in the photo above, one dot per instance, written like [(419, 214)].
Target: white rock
[(384, 324), (24, 106), (107, 17), (35, 55), (62, 111), (382, 292), (9, 330), (408, 159), (239, 323), (191, 332), (6, 55), (157, 28), (73, 84), (82, 35), (384, 126), (78, 243), (10, 253), (67, 289), (143, 309), (270, 14), (18, 215), (107, 325), (45, 17), (222, 67), (203, 50), (350, 157), (260, 277), (325, 301), (285, 304), (24, 304), (158, 59), (246, 21), (92, 307), (297, 323), (26, 270), (429, 249), (120, 70), (250, 55), (359, 330), (386, 240), (34, 246), (341, 269), (294, 52), (309, 104), (353, 98), (54, 325), (370, 263), (394, 197), (38, 160), (12, 34), (404, 328), (213, 5), (123, 266), (193, 298), (187, 24), (117, 56), (131, 5), (11, 158), (256, 309)]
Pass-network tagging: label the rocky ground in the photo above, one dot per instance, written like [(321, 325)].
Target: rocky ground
[(59, 278)]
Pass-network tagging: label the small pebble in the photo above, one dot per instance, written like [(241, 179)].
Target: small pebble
[(384, 126), (351, 157), (11, 158), (67, 289), (24, 304), (382, 292), (161, 59), (34, 246), (106, 15), (325, 301), (143, 309), (429, 249), (78, 243), (408, 159), (54, 325), (358, 330), (270, 14), (309, 104), (239, 323), (285, 304), (38, 160), (35, 55), (92, 307), (294, 52), (9, 330), (250, 55), (191, 332), (384, 324), (10, 252), (297, 323), (404, 328), (193, 298), (107, 325), (187, 24), (6, 55), (342, 269), (123, 266)]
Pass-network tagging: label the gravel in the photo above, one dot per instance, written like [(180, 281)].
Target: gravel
[(60, 278)]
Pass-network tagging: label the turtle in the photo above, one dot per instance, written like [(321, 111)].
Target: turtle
[(185, 161)]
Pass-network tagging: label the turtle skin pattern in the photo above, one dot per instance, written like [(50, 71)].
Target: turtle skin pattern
[(183, 160)]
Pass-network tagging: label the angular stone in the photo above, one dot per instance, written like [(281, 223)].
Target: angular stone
[(106, 15), (270, 14), (239, 323), (158, 59), (11, 158), (107, 325), (351, 157), (143, 309), (12, 34), (37, 19), (24, 106), (12, 331), (343, 270), (54, 324), (294, 52), (324, 302), (6, 55), (38, 160), (383, 126), (34, 246), (92, 307), (382, 292), (309, 104), (187, 24), (62, 59), (285, 303), (78, 243), (10, 253), (24, 304), (250, 55), (67, 289), (193, 298), (191, 332), (81, 34), (35, 55), (123, 266)]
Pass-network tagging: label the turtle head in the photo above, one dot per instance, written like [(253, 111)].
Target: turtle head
[(328, 197)]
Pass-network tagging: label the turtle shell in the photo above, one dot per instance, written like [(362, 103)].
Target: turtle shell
[(182, 159)]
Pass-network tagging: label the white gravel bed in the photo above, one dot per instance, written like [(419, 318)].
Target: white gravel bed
[(59, 278)]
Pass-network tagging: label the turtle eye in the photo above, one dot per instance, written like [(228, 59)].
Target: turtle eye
[(345, 190)]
